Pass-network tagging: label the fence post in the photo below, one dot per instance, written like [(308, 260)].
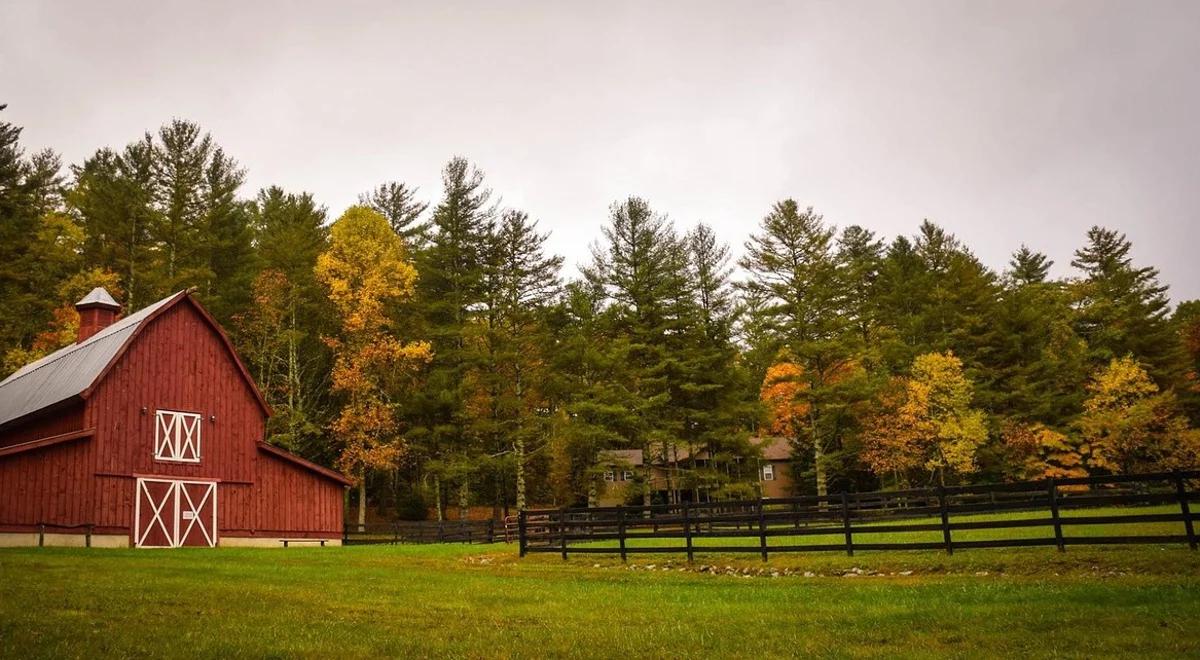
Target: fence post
[(1181, 491), (562, 531), (41, 535), (491, 530), (1052, 490), (621, 530), (944, 510), (89, 535), (846, 524), (762, 530), (687, 530), (522, 542)]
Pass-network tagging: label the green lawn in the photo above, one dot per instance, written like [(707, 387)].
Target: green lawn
[(482, 601)]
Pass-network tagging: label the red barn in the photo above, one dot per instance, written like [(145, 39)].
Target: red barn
[(148, 432)]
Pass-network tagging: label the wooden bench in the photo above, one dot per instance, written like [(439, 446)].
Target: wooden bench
[(285, 542)]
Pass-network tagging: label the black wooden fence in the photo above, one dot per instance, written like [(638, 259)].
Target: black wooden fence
[(421, 531), (840, 522)]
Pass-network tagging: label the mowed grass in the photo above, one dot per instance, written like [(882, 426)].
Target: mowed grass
[(482, 601)]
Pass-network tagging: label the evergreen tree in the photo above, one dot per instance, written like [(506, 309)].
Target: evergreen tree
[(520, 281), (1039, 362), (398, 203), (1123, 308), (641, 269), (794, 267), (29, 189), (112, 194), (451, 294)]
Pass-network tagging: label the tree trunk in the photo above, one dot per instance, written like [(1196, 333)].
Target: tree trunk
[(464, 499), (520, 451), (437, 496), (819, 467), (362, 502)]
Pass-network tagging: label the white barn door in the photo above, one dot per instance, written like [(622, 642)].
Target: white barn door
[(170, 513)]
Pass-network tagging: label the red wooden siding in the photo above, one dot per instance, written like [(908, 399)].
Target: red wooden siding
[(63, 420), (287, 500), (177, 363), (44, 486)]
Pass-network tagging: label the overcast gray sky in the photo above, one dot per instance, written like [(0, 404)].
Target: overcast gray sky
[(1004, 122)]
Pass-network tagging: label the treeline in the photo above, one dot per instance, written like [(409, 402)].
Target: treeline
[(438, 353)]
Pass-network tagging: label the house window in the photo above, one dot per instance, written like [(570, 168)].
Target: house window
[(177, 436), (609, 475), (627, 476), (768, 472)]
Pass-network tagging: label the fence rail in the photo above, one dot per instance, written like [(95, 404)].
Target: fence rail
[(421, 531), (841, 521)]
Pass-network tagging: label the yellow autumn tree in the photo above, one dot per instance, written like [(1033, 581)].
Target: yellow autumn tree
[(1128, 425), (364, 271), (925, 422)]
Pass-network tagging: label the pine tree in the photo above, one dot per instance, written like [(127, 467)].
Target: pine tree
[(793, 267), (1039, 363), (30, 188), (641, 269), (451, 295), (520, 281), (1123, 309), (1029, 267), (397, 202), (112, 195)]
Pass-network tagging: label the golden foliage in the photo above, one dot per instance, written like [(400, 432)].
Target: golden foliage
[(364, 271), (1039, 452), (1129, 426)]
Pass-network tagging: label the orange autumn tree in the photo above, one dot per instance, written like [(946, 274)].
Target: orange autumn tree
[(782, 393), (364, 271)]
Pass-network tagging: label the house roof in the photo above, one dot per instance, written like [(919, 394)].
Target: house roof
[(774, 448), (632, 457), (73, 371)]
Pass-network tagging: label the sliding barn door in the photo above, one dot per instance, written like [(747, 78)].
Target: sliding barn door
[(170, 513)]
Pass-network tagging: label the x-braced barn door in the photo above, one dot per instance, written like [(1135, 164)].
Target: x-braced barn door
[(170, 513)]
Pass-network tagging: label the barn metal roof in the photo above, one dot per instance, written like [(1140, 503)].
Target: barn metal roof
[(69, 371)]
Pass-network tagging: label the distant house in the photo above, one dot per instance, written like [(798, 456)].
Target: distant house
[(148, 432), (770, 473), (775, 467)]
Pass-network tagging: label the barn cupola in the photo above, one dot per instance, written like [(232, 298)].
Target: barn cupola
[(97, 311)]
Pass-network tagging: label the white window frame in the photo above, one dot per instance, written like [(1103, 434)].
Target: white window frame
[(627, 475), (177, 436), (609, 475), (768, 472)]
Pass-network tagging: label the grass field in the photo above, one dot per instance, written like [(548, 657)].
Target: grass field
[(482, 601)]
